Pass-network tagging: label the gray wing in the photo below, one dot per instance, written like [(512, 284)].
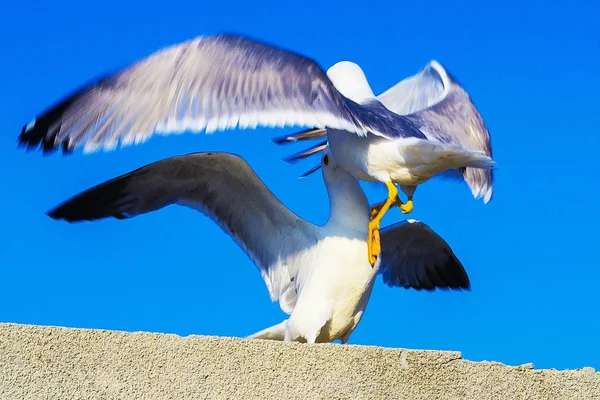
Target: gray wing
[(411, 95), (439, 106), (415, 93), (208, 83), (223, 187), (414, 256)]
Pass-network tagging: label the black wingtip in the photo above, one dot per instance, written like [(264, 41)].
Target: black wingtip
[(67, 212), (41, 133), (458, 277), (54, 213), (421, 259), (452, 271), (108, 199), (37, 135)]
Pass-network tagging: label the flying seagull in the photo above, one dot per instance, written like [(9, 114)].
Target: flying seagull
[(318, 274), (442, 110), (222, 82)]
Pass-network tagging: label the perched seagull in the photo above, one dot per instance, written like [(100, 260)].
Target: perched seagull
[(318, 273), (223, 82)]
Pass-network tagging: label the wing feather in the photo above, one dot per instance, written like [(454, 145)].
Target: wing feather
[(207, 83), (414, 256), (221, 186), (443, 110)]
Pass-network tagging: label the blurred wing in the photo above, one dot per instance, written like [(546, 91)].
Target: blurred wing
[(208, 83), (309, 134), (440, 107), (407, 96), (414, 256), (414, 93), (221, 186)]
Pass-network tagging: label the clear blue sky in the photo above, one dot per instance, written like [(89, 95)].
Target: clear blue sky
[(532, 253)]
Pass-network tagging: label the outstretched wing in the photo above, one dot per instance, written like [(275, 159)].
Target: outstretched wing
[(208, 83), (414, 256), (440, 107), (223, 187)]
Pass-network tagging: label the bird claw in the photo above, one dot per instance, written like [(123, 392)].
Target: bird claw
[(406, 207)]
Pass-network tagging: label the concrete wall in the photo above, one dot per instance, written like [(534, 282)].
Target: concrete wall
[(60, 363)]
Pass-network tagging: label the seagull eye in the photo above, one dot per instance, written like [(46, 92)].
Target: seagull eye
[(326, 159)]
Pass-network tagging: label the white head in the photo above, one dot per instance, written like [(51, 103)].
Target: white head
[(351, 81), (332, 171)]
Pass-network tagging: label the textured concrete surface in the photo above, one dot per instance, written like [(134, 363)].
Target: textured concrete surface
[(62, 363)]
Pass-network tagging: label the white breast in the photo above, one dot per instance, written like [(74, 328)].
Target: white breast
[(337, 290)]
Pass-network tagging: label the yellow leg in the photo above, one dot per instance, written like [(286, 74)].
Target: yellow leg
[(404, 207), (375, 209), (374, 244), (377, 213)]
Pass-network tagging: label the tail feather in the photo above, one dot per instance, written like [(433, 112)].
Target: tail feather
[(479, 175), (480, 182), (444, 159), (275, 332)]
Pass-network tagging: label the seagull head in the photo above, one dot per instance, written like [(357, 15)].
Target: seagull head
[(327, 161), (351, 81), (332, 170)]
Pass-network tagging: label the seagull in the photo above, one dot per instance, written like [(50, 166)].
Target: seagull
[(318, 274), (225, 81), (440, 107)]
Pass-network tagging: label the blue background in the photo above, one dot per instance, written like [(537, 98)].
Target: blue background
[(531, 253)]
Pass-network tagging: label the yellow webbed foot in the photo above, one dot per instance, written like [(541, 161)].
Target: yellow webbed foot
[(406, 207)]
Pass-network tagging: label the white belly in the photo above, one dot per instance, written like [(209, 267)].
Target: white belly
[(374, 159), (406, 162), (334, 298), (399, 161)]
